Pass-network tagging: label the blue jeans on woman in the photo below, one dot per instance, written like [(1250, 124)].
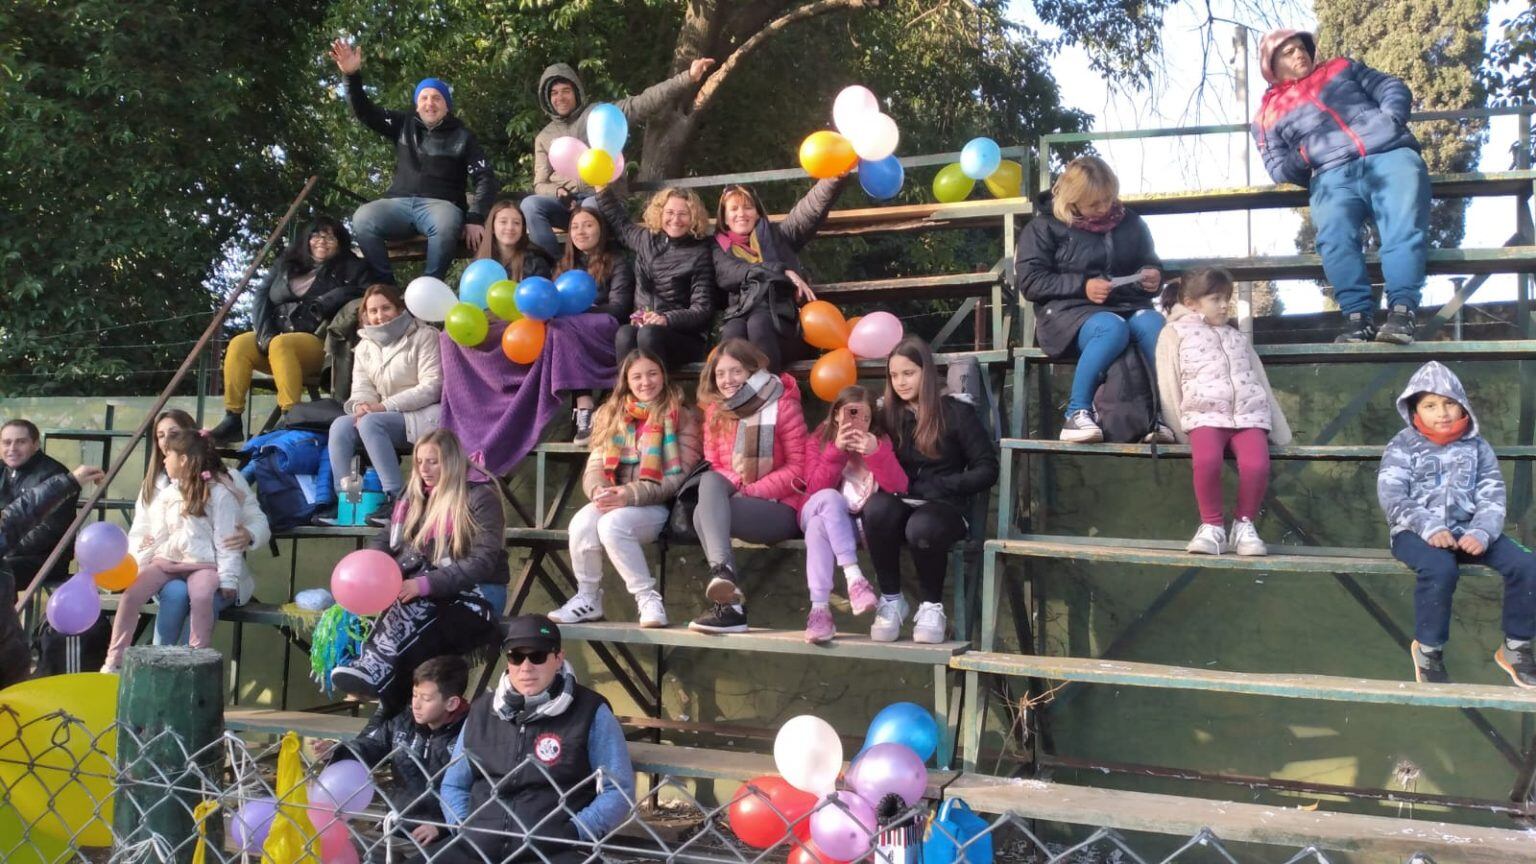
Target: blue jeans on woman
[(1100, 340), (172, 622), (377, 222), (1391, 188), (381, 433)]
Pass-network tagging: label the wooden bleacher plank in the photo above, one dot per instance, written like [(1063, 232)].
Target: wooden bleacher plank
[(902, 288), (845, 646), (1170, 553), (1467, 185), (1503, 259), (1363, 352), (1314, 452), (1327, 687), (982, 213)]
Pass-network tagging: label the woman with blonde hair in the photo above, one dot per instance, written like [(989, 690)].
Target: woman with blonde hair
[(447, 535), (674, 301)]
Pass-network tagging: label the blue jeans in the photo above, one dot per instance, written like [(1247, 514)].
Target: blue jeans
[(173, 620), (1100, 340), (378, 222), (1439, 570), (542, 214), (1393, 189), (382, 434)]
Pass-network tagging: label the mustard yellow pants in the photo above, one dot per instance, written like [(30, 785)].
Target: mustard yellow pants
[(290, 358)]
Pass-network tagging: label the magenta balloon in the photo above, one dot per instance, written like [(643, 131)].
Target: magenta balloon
[(890, 769), (365, 582), (75, 606), (100, 546), (344, 788), (248, 830), (844, 834), (875, 335)]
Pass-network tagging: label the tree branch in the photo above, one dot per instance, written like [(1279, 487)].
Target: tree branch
[(750, 18)]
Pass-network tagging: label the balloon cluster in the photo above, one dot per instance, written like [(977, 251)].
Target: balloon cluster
[(803, 805), (343, 790), (102, 550), (485, 286), (868, 337), (981, 159), (865, 137), (601, 162)]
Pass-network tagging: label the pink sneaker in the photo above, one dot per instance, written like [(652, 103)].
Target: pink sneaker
[(861, 596), (818, 626)]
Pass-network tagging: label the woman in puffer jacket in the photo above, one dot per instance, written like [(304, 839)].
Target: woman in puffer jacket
[(1215, 396)]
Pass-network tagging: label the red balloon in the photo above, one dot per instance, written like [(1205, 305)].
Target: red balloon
[(809, 853), (767, 810)]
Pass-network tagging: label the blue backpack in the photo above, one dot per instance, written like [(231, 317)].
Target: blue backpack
[(292, 475), (952, 827)]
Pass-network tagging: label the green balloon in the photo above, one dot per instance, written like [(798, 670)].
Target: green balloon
[(466, 325), (951, 184), (502, 298)]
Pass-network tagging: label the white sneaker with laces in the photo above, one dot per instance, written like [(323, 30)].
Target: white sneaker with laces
[(929, 624), (581, 607), (1209, 540), (653, 611), (889, 615), (1080, 428), (1245, 539)]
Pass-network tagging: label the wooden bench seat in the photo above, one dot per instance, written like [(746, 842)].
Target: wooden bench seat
[(1268, 197), (1503, 259), (1298, 452), (852, 646), (1360, 352)]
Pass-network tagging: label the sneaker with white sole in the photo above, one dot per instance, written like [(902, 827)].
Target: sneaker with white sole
[(862, 596), (1162, 433), (1209, 540), (653, 610), (722, 618), (1081, 428), (929, 624), (889, 615), (722, 585), (819, 626), (582, 606), (1245, 539)]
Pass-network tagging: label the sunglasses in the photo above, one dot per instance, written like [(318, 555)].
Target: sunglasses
[(518, 658)]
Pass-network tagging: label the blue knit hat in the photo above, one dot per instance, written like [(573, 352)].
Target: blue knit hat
[(437, 84)]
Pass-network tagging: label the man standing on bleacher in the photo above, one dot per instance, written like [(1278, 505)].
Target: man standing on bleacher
[(435, 153), (26, 467)]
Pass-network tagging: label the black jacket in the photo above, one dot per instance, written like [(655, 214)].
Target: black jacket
[(616, 294), (417, 755), (966, 463), (1054, 262), (487, 558), (34, 521), (338, 282), (673, 277), (430, 163), (779, 242)]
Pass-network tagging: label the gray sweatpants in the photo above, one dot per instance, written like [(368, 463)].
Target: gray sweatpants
[(722, 514)]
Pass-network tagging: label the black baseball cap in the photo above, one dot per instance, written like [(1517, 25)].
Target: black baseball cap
[(535, 632)]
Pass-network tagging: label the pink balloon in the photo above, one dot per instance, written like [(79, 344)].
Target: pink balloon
[(365, 582), (875, 335), (564, 152), (336, 846), (618, 167), (844, 834), (890, 769)]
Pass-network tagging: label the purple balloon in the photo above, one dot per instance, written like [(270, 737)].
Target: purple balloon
[(344, 787), (100, 546), (843, 832), (248, 830), (890, 769), (75, 606)]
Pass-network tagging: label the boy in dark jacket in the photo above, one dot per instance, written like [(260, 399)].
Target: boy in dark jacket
[(1340, 127), (418, 744)]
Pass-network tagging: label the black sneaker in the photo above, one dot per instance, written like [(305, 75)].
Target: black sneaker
[(353, 683), (1400, 326), (721, 618), (722, 585), (1428, 666), (379, 518), (583, 419), (326, 515), (1520, 663), (229, 430), (1358, 327)]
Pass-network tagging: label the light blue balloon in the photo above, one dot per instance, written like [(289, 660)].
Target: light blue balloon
[(577, 290), (607, 128), (537, 298), (980, 158), (881, 179), (478, 278), (904, 723)]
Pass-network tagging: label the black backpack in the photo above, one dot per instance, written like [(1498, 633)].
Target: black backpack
[(1127, 400), (58, 654)]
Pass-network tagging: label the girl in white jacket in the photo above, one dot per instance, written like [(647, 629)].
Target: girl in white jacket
[(185, 524), (1215, 397)]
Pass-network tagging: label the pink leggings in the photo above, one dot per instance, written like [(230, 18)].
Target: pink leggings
[(202, 585), (1207, 449)]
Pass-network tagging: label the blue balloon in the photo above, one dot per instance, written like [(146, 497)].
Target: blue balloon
[(607, 128), (537, 298), (905, 723), (577, 290), (882, 178), (980, 158), (478, 278)]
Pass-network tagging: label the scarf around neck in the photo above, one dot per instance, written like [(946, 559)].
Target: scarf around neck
[(1102, 224), (388, 333), (756, 410), (1443, 438), (654, 444), (743, 246), (514, 707)]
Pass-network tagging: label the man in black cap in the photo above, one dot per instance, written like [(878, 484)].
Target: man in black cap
[(538, 736)]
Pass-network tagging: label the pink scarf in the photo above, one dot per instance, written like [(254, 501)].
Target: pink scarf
[(1102, 224)]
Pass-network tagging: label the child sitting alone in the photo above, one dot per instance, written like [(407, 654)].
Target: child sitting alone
[(1441, 489)]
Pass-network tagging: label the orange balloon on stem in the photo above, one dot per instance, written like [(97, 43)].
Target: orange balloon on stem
[(827, 154), (523, 340), (834, 371), (854, 322), (120, 576), (823, 325)]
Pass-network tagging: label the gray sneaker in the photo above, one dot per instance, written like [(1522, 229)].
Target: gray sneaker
[(1080, 428), (1428, 666), (1520, 663)]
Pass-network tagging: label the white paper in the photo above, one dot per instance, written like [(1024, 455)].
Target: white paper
[(1133, 279)]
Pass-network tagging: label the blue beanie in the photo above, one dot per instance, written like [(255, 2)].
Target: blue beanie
[(437, 84)]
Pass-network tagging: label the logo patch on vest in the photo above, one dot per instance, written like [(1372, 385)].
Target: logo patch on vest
[(546, 748)]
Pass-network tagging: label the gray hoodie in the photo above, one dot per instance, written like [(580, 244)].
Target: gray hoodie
[(645, 106), (1426, 488)]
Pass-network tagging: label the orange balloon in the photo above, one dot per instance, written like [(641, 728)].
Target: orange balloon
[(854, 322), (120, 576), (523, 340), (827, 154), (809, 853), (823, 325), (834, 371)]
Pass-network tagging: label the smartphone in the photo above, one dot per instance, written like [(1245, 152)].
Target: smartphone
[(855, 411)]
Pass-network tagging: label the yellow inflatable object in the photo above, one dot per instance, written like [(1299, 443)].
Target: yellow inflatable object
[(292, 839), (58, 753)]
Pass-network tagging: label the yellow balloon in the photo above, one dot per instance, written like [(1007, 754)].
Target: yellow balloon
[(1007, 181), (595, 167), (58, 771)]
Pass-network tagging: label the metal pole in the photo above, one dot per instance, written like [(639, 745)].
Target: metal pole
[(1240, 82), (1457, 282)]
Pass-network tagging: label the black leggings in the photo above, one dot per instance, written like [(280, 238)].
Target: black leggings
[(674, 347), (928, 530), (757, 327)]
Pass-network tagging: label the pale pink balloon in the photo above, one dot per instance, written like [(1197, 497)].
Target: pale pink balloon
[(618, 167), (875, 335), (564, 153), (365, 582)]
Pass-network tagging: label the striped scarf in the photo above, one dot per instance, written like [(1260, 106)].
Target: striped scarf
[(756, 409), (640, 440)]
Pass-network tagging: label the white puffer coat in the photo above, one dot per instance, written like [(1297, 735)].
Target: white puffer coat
[(1210, 376)]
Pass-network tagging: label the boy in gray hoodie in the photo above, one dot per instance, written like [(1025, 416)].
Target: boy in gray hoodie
[(1443, 495)]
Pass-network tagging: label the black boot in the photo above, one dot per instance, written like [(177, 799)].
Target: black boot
[(1400, 326), (1358, 327), (379, 518), (229, 430)]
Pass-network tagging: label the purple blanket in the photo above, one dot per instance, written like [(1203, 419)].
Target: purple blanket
[(499, 409)]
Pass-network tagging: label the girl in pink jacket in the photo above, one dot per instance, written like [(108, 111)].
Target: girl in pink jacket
[(1215, 396), (754, 441), (847, 460)]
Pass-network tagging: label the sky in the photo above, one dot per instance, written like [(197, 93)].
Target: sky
[(1217, 160)]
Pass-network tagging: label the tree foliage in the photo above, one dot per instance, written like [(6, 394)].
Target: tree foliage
[(1510, 71)]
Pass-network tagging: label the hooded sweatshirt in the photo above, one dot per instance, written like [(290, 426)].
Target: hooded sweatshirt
[(1426, 488), (649, 103)]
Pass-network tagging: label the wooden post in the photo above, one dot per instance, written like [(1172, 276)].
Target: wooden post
[(170, 706)]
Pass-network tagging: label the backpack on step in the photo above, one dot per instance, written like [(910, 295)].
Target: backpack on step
[(1126, 403)]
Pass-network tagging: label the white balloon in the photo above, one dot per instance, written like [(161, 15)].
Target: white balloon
[(874, 136), (808, 754), (850, 105), (429, 298)]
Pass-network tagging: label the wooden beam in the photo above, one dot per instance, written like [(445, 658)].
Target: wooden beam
[(846, 646), (1314, 452), (1363, 352), (1504, 259), (1467, 185), (1170, 553)]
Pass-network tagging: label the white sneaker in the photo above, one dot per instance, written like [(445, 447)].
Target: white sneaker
[(929, 624), (581, 607), (110, 670), (653, 611), (1080, 428), (889, 614), (1209, 540), (1245, 539)]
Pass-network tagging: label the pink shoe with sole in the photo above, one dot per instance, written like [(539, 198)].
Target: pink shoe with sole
[(819, 627), (861, 596)]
